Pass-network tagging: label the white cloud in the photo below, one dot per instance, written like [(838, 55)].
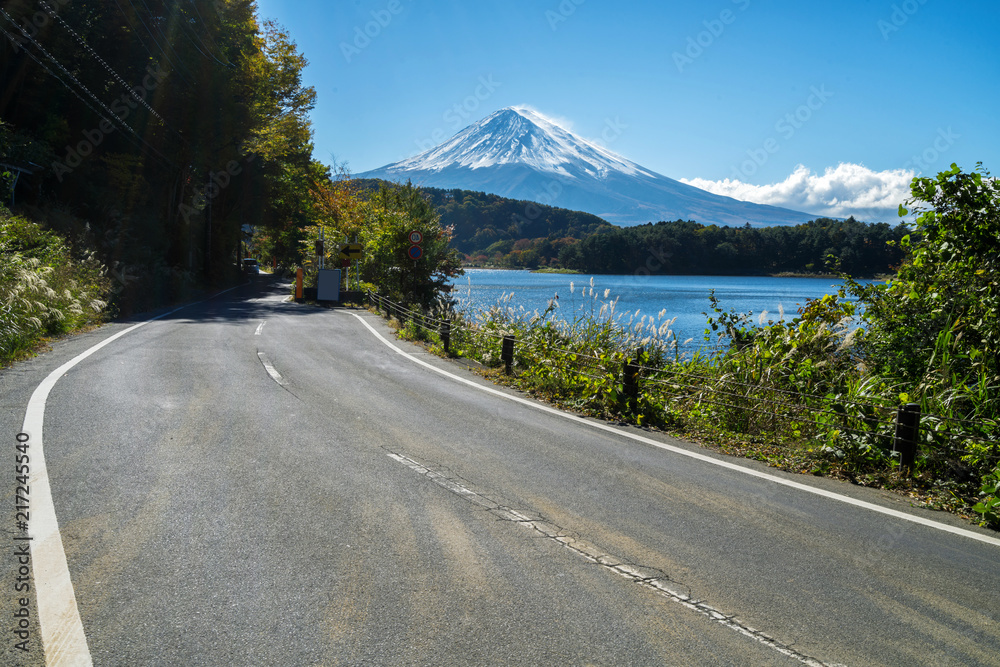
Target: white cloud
[(841, 191)]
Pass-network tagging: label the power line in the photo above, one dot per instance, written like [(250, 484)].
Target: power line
[(166, 38), (111, 70), (55, 76), (228, 63), (13, 39), (48, 8), (64, 70), (162, 51), (196, 36)]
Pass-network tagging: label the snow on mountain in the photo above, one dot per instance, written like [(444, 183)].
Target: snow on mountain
[(520, 136), (516, 152)]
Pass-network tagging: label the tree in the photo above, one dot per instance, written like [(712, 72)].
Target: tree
[(387, 219), (936, 322), (166, 126)]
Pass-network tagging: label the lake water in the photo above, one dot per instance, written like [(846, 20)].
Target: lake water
[(682, 297)]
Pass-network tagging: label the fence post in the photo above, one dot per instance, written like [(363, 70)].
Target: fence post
[(446, 337), (907, 431), (507, 355), (630, 380)]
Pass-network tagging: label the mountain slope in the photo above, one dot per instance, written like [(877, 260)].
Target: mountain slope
[(516, 152)]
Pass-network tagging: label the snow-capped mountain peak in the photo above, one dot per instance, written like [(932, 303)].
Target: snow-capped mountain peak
[(520, 135), (518, 152)]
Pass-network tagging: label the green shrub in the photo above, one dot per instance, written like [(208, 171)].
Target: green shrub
[(45, 288)]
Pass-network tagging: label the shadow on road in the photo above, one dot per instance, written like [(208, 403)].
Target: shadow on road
[(255, 299)]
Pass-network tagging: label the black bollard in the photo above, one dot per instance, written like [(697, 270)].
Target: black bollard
[(907, 431), (507, 355)]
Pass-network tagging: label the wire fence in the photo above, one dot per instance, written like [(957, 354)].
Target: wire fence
[(845, 427)]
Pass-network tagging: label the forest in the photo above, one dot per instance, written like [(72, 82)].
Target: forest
[(480, 220), (490, 230), (679, 247), (158, 134)]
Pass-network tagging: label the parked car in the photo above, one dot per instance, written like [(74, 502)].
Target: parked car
[(251, 267)]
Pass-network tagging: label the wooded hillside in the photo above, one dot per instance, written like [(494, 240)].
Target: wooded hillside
[(157, 131)]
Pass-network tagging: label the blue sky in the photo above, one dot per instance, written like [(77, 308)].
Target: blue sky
[(826, 107)]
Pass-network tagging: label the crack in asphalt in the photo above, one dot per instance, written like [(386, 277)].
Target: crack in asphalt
[(651, 578)]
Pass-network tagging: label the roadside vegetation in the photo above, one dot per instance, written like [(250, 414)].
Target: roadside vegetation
[(381, 220), (135, 178), (173, 160), (48, 287), (817, 392)]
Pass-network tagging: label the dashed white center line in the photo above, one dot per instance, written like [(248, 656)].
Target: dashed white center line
[(271, 370), (607, 428), (260, 328), (652, 579)]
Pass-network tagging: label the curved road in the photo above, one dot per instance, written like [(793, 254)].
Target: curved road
[(247, 481)]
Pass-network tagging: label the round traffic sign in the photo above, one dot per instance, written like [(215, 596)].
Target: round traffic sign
[(415, 252), (416, 237)]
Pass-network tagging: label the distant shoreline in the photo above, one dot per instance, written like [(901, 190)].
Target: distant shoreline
[(784, 274)]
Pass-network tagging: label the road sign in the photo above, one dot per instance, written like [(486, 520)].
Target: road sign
[(415, 237), (415, 252), (351, 251)]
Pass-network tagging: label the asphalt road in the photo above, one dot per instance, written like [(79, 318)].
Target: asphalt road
[(253, 482)]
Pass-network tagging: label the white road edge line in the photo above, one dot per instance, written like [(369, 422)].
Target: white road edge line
[(63, 639), (694, 455)]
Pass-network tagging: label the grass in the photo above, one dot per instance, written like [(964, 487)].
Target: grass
[(47, 287), (794, 393)]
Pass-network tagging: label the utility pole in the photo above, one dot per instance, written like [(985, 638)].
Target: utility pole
[(208, 254), (322, 254)]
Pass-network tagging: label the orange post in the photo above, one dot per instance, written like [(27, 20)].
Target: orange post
[(298, 283)]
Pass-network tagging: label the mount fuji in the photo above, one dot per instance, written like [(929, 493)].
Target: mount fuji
[(516, 152)]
